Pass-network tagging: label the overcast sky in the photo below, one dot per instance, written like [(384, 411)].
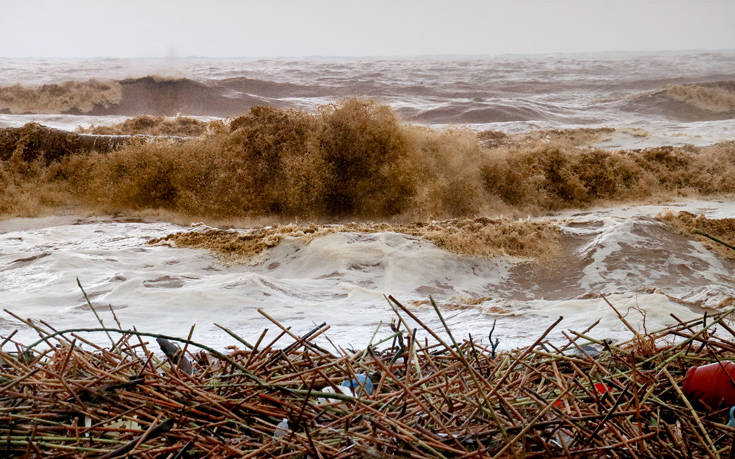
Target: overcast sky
[(227, 28)]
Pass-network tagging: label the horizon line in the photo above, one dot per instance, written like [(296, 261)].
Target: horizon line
[(386, 56)]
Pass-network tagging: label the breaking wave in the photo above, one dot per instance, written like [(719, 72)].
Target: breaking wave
[(68, 97), (154, 125), (689, 102), (474, 102), (350, 160), (484, 237), (687, 223), (151, 95), (34, 142)]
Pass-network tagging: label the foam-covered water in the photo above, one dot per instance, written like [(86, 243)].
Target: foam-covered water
[(678, 97), (621, 252)]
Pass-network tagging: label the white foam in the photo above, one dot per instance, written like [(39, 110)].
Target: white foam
[(341, 279)]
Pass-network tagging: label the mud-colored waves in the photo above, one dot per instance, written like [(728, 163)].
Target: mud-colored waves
[(694, 225), (475, 112), (689, 102), (478, 102), (149, 95), (68, 97), (484, 237), (357, 160), (155, 126), (35, 142), (159, 96)]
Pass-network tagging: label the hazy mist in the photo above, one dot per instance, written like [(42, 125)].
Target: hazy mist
[(135, 28)]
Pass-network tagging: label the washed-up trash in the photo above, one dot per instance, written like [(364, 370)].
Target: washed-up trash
[(602, 388), (330, 390), (349, 387), (589, 349), (281, 429), (731, 422), (175, 355), (360, 380), (562, 439), (592, 350), (712, 384)]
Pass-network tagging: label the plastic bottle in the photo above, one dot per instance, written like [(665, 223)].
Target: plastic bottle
[(281, 429)]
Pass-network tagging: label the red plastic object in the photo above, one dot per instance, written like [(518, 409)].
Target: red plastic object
[(601, 388), (711, 384)]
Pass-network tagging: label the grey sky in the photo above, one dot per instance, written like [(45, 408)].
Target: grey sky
[(135, 28)]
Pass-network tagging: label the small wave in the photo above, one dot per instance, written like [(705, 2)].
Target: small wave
[(484, 237), (164, 282), (474, 112), (689, 102), (25, 261), (687, 223), (716, 97), (154, 125)]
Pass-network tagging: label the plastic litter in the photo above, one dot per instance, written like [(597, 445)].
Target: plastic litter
[(562, 438), (342, 389), (281, 429), (602, 388), (591, 350), (712, 384), (360, 380)]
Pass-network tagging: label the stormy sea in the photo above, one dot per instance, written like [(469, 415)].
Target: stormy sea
[(511, 190)]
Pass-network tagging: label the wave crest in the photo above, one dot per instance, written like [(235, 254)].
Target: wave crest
[(715, 97), (486, 237), (355, 159), (689, 102), (687, 223), (154, 125), (67, 97), (152, 95)]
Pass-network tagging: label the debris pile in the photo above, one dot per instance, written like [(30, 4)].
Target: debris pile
[(292, 395)]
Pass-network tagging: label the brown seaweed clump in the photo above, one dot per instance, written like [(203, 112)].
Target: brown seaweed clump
[(690, 224), (484, 237)]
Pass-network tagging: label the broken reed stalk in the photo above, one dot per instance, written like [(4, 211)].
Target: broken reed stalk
[(97, 316), (209, 349)]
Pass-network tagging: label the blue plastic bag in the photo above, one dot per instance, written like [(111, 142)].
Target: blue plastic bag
[(360, 379)]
